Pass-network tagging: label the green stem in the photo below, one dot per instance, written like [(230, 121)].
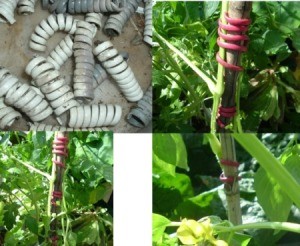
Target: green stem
[(273, 166), (210, 83), (184, 78), (281, 226), (30, 167), (51, 187), (220, 78), (34, 201)]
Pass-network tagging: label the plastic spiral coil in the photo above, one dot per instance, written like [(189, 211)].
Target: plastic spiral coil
[(240, 26), (142, 114), (44, 127), (61, 53), (7, 9), (23, 97), (100, 75), (81, 6), (234, 25), (119, 71), (97, 115), (48, 27), (148, 23), (115, 22), (84, 62), (52, 85), (26, 7), (229, 179), (7, 115), (94, 19)]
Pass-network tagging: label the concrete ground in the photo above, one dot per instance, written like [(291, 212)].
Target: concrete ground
[(15, 54)]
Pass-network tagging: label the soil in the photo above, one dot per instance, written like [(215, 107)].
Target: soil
[(15, 54)]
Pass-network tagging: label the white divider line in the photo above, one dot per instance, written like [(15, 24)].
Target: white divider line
[(133, 189)]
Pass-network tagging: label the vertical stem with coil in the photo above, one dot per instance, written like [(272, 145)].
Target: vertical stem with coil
[(233, 39), (230, 178), (59, 151)]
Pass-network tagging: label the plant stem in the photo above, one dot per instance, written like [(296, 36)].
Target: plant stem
[(220, 77), (282, 226), (231, 189), (272, 165), (30, 167), (210, 83)]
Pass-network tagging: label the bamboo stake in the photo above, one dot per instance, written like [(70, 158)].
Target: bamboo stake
[(240, 10), (231, 189)]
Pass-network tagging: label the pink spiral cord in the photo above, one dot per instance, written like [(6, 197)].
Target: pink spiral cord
[(227, 112), (234, 25), (228, 179), (55, 196), (54, 240), (60, 148)]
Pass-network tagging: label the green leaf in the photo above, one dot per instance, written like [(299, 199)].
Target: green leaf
[(273, 41), (296, 40), (159, 224), (169, 149), (208, 202), (89, 234), (291, 160), (31, 224), (210, 8), (72, 239), (271, 196), (236, 239), (14, 170)]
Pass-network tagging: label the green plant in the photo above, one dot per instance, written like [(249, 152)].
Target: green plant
[(26, 163), (189, 202), (184, 68)]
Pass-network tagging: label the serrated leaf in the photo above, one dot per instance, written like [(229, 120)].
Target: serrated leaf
[(159, 224)]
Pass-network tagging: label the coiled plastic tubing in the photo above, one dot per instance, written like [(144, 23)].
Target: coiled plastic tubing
[(26, 7), (53, 86), (23, 97), (43, 127), (116, 22), (7, 9), (141, 115), (8, 115), (82, 6), (96, 115), (48, 27), (119, 70)]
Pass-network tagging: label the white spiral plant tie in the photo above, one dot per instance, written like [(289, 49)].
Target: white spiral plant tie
[(96, 115), (48, 27), (115, 22), (7, 9), (52, 85), (141, 115), (8, 115), (148, 23), (84, 62), (119, 71), (99, 76), (23, 97), (61, 53), (44, 127), (81, 6), (95, 19), (26, 7)]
